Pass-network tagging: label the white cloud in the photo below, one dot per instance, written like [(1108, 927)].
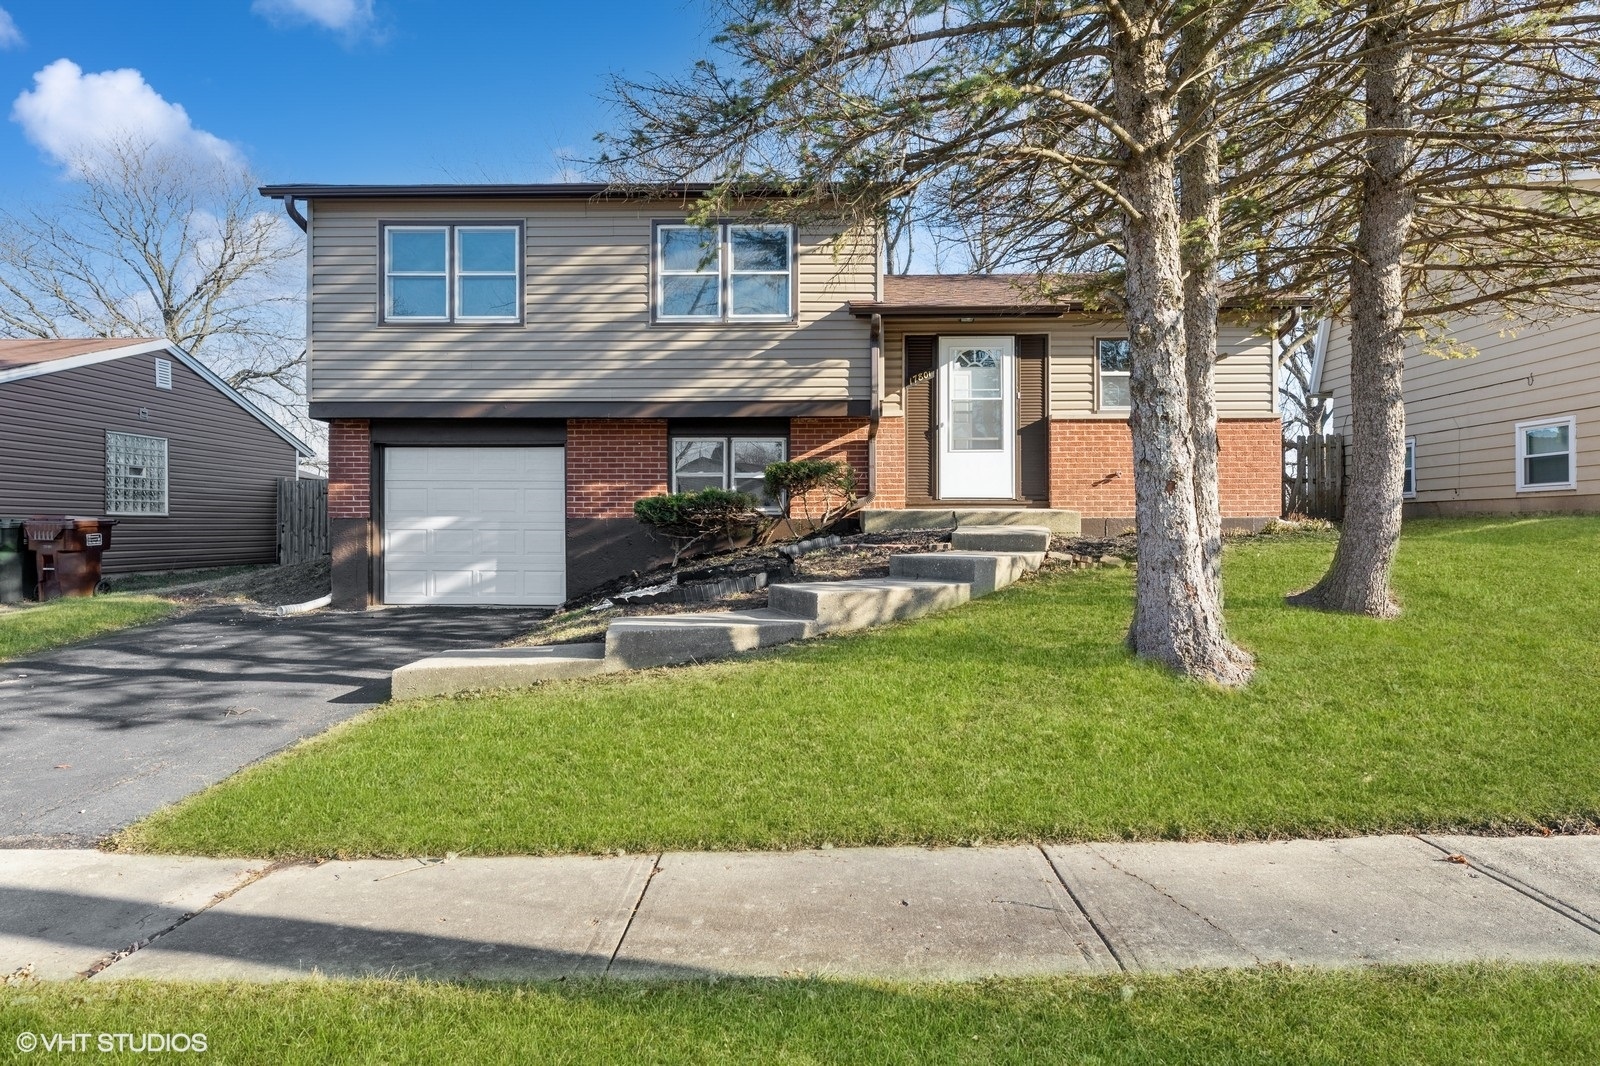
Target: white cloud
[(10, 36), (346, 15), (68, 114)]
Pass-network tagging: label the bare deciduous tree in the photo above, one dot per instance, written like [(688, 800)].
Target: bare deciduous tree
[(149, 243)]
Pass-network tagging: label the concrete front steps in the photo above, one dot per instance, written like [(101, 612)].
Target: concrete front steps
[(1063, 522), (918, 585)]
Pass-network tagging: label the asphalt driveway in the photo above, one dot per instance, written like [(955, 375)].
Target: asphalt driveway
[(99, 734)]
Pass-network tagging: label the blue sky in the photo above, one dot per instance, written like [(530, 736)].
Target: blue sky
[(332, 90)]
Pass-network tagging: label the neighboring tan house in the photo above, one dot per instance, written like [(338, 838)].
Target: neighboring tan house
[(506, 369), (142, 432), (1499, 431)]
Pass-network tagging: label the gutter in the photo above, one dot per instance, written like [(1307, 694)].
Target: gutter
[(875, 412), (294, 214)]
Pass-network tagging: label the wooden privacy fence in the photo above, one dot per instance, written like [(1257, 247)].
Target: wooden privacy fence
[(302, 519), (1313, 476)]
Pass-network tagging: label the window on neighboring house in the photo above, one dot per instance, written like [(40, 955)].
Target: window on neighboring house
[(1547, 454), (731, 272), (452, 273), (163, 373), (1408, 487), (136, 474), (1115, 359), (736, 463)]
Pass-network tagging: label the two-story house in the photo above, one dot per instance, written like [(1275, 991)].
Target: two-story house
[(506, 369), (1498, 431)]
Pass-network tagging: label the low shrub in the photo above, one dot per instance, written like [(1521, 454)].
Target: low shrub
[(690, 518), (829, 485)]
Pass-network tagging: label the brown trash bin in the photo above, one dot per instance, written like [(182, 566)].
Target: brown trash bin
[(67, 552)]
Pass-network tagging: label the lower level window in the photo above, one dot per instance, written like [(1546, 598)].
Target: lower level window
[(1408, 487), (136, 474), (1116, 361), (1546, 454), (736, 463)]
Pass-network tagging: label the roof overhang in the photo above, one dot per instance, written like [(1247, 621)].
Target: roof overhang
[(867, 310), (146, 347), (576, 190)]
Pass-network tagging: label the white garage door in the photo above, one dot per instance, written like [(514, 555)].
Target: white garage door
[(474, 526)]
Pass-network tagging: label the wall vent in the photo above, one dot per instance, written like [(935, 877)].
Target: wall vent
[(163, 373)]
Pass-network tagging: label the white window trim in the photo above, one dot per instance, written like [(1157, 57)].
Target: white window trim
[(452, 274), (662, 273), (1571, 422), (733, 271), (766, 506), (1411, 467), (166, 484), (725, 274), (460, 272), (1099, 391), (390, 273)]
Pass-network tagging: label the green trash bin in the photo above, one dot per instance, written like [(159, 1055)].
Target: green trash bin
[(13, 557)]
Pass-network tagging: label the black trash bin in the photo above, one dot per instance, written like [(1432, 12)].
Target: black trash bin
[(67, 553), (15, 585)]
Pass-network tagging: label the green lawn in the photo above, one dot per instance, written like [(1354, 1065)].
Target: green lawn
[(1455, 1016), (24, 630), (1017, 717)]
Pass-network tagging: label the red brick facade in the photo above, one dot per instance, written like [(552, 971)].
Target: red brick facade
[(890, 488), (611, 462), (349, 468), (835, 439), (1250, 461), (1091, 467)]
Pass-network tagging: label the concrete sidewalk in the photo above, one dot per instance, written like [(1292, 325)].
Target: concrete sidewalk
[(906, 913)]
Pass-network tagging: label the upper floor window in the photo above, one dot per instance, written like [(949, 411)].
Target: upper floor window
[(452, 273), (136, 474), (1115, 360), (730, 272), (1546, 454)]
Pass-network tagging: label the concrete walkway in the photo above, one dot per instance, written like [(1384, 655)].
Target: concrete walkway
[(906, 913)]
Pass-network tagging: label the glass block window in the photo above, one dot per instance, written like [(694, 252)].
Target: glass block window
[(1116, 359), (136, 474), (737, 463), (730, 272), (452, 273), (1547, 454)]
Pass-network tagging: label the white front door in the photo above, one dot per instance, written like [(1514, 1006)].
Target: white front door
[(474, 526), (977, 418)]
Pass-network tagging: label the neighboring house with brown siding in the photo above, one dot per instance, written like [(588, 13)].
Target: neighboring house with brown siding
[(140, 431), (506, 369), (1499, 431)]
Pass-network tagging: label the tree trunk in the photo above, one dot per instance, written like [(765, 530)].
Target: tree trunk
[(1200, 211), (1358, 580), (1177, 618)]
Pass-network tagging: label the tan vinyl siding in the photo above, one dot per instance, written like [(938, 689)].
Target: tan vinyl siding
[(1463, 412), (587, 334), (222, 464), (1245, 386)]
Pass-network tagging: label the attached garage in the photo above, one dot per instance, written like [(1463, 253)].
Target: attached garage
[(481, 526)]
